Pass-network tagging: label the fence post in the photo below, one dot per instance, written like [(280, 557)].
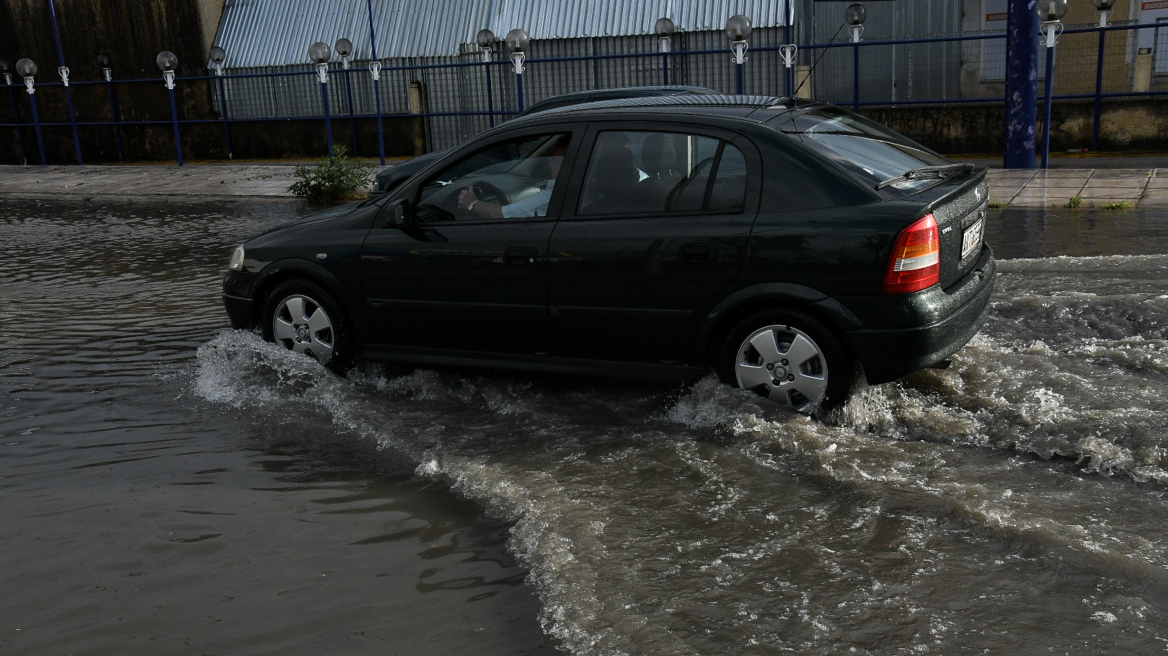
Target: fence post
[(490, 98), (167, 62), (64, 72), (320, 54), (665, 28), (344, 48), (738, 30), (218, 55), (788, 50), (27, 69), (856, 77), (15, 112), (1052, 12), (855, 15), (105, 62), (1099, 85), (517, 42), (1021, 87), (375, 69)]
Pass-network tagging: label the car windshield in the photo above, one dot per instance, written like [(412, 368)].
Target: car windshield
[(868, 149)]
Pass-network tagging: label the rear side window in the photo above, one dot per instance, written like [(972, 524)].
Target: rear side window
[(871, 151), (646, 172)]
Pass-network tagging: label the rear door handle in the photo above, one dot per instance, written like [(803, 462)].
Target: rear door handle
[(697, 253), (520, 255)]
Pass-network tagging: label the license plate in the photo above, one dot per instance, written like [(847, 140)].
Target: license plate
[(971, 238)]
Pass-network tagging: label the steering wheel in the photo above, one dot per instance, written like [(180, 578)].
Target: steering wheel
[(488, 192)]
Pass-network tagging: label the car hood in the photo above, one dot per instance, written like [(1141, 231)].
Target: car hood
[(343, 214)]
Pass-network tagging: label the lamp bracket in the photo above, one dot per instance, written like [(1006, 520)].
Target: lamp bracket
[(739, 49), (1049, 33), (788, 52)]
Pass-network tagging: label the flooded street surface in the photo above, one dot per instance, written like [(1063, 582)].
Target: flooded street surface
[(171, 486)]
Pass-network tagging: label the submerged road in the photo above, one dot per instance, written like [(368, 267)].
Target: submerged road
[(170, 486)]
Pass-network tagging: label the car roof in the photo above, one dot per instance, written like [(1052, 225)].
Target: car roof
[(577, 97), (759, 109)]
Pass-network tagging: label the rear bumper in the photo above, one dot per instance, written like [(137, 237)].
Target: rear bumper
[(945, 320)]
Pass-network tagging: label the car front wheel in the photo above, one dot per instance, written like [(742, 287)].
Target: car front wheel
[(302, 317), (789, 358)]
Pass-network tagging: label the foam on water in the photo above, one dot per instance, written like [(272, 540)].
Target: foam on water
[(713, 522)]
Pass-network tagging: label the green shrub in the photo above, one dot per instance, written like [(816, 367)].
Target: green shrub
[(1075, 201), (332, 178)]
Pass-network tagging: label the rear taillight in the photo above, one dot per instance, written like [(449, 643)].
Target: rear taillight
[(916, 258)]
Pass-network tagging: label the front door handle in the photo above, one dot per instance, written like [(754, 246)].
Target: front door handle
[(520, 255)]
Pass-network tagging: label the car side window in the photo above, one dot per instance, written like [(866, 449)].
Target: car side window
[(508, 179), (662, 172)]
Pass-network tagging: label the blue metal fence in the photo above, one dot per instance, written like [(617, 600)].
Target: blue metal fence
[(496, 93)]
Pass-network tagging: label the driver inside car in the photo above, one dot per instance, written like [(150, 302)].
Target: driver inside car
[(534, 205)]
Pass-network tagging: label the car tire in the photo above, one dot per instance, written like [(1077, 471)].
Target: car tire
[(302, 317), (790, 358)]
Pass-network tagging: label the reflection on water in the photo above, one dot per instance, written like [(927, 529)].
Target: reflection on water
[(140, 518), (1012, 504)]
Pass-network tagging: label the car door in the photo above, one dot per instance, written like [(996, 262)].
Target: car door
[(459, 278), (657, 231)]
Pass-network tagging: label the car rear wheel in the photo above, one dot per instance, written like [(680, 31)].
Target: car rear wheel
[(790, 358), (302, 317)]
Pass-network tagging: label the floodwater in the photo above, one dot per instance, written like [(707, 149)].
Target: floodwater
[(170, 486)]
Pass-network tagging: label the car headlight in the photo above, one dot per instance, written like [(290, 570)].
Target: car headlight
[(236, 263)]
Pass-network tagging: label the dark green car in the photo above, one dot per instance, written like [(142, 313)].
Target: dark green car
[(789, 245)]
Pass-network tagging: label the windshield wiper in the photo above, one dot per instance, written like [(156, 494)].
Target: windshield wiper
[(928, 172)]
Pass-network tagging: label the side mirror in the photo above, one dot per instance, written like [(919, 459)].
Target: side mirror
[(399, 214)]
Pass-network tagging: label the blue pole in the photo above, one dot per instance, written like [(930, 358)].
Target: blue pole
[(1046, 106), (36, 119), (490, 98), (352, 119), (1021, 86), (226, 120), (174, 120), (665, 66), (64, 78), (376, 85), (519, 89), (787, 33), (16, 120), (114, 111), (328, 123), (856, 78), (1098, 93)]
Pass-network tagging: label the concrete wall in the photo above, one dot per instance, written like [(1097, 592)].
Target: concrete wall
[(132, 32), (1127, 125)]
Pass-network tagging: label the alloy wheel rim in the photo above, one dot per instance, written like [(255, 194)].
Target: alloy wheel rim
[(783, 364), (300, 324)]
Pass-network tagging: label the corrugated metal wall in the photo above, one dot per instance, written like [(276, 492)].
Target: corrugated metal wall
[(257, 33), (892, 72), (272, 36)]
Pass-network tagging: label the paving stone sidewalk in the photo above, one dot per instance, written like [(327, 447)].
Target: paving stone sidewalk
[(1094, 187)]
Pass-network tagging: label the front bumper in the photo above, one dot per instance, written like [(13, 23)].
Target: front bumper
[(241, 311), (237, 300), (946, 319)]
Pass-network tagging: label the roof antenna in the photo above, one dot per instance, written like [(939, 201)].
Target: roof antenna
[(812, 69)]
